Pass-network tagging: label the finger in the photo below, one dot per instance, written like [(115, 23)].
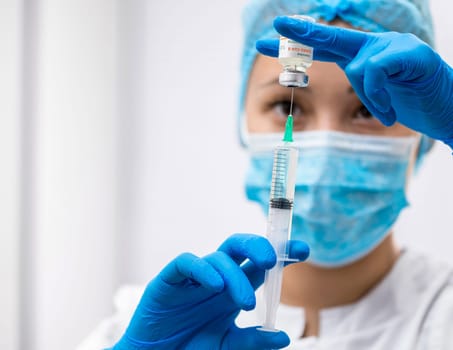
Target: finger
[(375, 78), (375, 72), (339, 41), (248, 246), (380, 69), (268, 47), (190, 266), (355, 72), (298, 251), (327, 56), (400, 60), (236, 282), (251, 338)]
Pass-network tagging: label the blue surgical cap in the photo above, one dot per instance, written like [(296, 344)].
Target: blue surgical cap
[(405, 16)]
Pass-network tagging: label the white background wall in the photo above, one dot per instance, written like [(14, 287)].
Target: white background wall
[(10, 15), (134, 156)]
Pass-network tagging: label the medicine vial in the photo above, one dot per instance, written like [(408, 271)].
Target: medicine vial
[(295, 59)]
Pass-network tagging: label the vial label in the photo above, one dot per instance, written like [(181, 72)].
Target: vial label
[(290, 48)]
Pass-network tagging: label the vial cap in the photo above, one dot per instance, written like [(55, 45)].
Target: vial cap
[(293, 79)]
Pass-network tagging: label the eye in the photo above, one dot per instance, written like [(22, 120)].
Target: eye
[(283, 108), (362, 118), (363, 113)]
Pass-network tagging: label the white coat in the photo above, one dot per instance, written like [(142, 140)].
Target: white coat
[(410, 309)]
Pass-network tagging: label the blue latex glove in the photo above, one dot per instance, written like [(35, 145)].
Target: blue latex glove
[(396, 76), (193, 302)]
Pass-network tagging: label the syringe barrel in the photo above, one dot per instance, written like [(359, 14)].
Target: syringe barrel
[(282, 198), (283, 176), (279, 226)]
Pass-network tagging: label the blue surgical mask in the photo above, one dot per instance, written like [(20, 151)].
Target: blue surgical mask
[(350, 189)]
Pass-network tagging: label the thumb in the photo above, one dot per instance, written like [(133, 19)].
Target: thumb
[(253, 338)]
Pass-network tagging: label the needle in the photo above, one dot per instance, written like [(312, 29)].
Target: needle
[(291, 105)]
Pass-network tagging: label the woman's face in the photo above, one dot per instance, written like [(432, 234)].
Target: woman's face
[(328, 103)]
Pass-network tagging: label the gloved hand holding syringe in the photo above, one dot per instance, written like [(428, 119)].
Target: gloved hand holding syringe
[(295, 58)]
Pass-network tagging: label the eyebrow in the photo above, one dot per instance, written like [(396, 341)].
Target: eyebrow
[(307, 88)]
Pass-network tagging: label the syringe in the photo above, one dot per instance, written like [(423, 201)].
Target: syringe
[(295, 58), (279, 221)]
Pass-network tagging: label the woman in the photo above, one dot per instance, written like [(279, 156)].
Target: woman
[(361, 127)]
